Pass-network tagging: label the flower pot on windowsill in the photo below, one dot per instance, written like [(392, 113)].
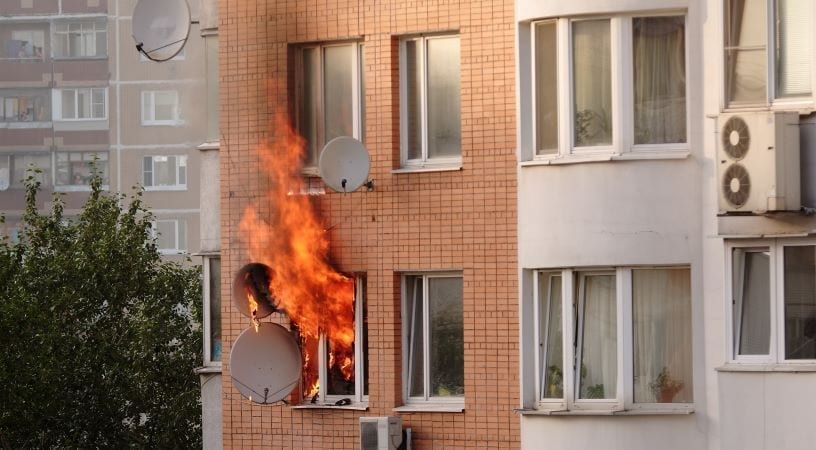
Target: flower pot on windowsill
[(665, 387)]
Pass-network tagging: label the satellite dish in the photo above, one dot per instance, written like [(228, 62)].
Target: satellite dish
[(4, 179), (265, 365), (253, 279), (161, 27), (344, 164)]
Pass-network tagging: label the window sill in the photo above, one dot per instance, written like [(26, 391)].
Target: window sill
[(431, 408), (628, 156), (803, 106), (351, 407), (214, 145), (207, 370), (809, 367), (80, 58), (165, 188), (26, 125), (78, 188), (681, 411), (422, 169), (165, 123)]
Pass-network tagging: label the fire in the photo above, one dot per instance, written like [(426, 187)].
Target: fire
[(253, 309), (293, 242)]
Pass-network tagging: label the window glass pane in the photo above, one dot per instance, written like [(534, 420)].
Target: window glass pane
[(164, 170), (800, 302), (310, 109), (182, 235), (745, 58), (661, 316), (165, 105), (148, 171), (84, 103), (592, 82), (794, 47), (215, 309), (37, 166), (443, 98), (546, 87), (599, 338), (446, 335), (101, 43), (415, 338), (182, 170), (337, 384), (166, 238), (68, 104), (660, 79), (752, 301), (338, 91), (549, 289), (413, 90)]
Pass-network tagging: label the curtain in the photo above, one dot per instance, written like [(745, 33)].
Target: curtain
[(592, 82), (794, 43), (745, 42), (546, 88), (660, 79), (598, 373), (661, 316), (753, 307)]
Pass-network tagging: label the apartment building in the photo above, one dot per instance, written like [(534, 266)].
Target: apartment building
[(74, 90), (427, 86)]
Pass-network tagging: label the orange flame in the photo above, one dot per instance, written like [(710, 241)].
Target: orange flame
[(293, 242), (253, 309)]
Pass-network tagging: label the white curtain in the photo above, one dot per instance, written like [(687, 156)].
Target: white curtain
[(592, 82), (598, 373), (794, 47), (660, 80), (661, 315)]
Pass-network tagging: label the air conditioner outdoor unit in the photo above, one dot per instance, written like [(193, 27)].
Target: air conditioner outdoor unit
[(380, 433), (758, 162)]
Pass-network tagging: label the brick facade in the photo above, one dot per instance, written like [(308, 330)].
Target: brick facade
[(461, 220)]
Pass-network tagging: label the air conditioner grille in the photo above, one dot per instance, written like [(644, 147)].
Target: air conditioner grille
[(736, 185), (736, 138)]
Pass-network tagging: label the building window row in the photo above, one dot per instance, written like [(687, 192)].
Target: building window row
[(62, 170), (74, 39), (613, 339)]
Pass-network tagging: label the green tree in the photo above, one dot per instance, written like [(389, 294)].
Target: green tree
[(98, 335)]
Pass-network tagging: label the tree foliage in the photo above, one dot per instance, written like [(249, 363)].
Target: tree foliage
[(98, 340)]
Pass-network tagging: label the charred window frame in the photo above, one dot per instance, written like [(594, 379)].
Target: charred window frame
[(328, 95)]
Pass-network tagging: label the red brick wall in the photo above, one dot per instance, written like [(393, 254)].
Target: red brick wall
[(460, 220)]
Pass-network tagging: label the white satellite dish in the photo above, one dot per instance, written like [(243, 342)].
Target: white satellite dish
[(265, 365), (161, 27), (253, 278), (344, 164)]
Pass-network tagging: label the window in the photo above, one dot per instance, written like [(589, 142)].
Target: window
[(75, 169), (430, 101), (82, 104), (160, 108), (16, 168), (171, 236), (87, 39), (338, 376), (625, 333), (328, 95), (212, 311), (24, 106), (768, 58), (24, 44), (773, 301), (433, 338), (581, 105), (165, 172)]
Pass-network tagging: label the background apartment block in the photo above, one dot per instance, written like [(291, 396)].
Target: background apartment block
[(74, 89), (442, 211)]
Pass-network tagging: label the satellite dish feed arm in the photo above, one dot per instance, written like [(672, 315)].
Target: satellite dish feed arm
[(140, 48)]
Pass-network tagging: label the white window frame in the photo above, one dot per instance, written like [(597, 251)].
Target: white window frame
[(40, 35), (356, 92), (179, 224), (56, 108), (62, 29), (784, 103), (70, 187), (150, 96), (624, 400), (622, 103), (170, 187), (359, 396), (426, 399), (424, 161), (776, 348), (207, 314)]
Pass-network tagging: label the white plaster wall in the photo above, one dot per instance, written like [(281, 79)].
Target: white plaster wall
[(211, 417), (210, 201)]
